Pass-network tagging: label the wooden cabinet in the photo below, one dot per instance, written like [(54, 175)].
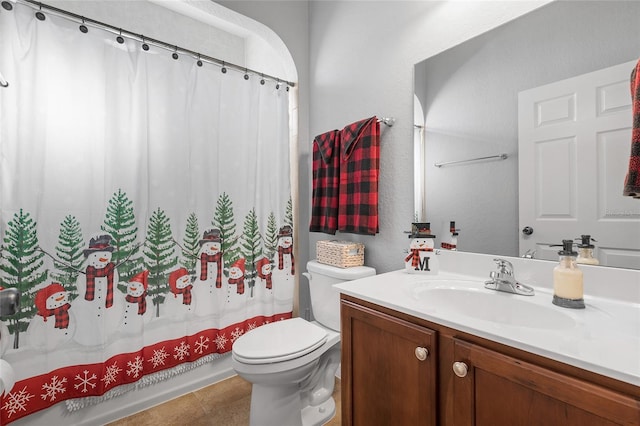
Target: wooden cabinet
[(388, 369), (465, 380), (495, 389)]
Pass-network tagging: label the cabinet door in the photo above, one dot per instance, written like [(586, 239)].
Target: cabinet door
[(388, 369), (496, 389)]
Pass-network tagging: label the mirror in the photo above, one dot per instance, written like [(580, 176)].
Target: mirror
[(469, 95)]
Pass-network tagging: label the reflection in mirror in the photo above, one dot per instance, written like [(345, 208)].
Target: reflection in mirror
[(469, 95), (418, 160)]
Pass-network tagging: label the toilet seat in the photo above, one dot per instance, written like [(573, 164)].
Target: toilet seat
[(279, 341)]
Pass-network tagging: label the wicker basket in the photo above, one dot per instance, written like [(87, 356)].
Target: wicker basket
[(343, 254)]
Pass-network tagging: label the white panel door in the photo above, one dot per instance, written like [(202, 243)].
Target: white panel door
[(574, 144)]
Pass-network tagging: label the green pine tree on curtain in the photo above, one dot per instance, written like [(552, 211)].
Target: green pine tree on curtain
[(271, 238), (160, 256), (70, 255), (190, 244), (22, 267), (251, 247), (223, 220), (120, 224), (288, 219)]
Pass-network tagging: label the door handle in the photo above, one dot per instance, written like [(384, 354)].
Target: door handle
[(527, 230)]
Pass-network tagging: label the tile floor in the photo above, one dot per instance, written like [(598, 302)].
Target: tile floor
[(225, 403)]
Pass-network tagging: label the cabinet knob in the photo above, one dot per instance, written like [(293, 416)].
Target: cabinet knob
[(460, 369), (421, 353)]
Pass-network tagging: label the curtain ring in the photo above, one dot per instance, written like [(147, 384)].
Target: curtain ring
[(175, 55), (120, 39), (3, 82), (246, 76), (199, 61), (7, 6), (262, 80), (145, 46), (83, 28), (40, 15), (278, 84), (223, 69)]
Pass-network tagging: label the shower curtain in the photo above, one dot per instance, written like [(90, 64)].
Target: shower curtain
[(145, 211)]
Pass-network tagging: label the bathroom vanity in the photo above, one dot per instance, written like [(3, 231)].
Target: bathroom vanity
[(443, 350)]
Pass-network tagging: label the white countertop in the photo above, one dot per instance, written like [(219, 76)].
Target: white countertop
[(603, 338)]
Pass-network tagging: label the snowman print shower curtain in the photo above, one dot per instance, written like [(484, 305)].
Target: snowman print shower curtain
[(146, 212)]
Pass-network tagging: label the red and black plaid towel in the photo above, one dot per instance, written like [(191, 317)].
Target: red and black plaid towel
[(359, 172), (326, 174), (632, 181), (346, 166)]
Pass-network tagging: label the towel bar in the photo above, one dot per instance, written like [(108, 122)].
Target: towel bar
[(499, 157)]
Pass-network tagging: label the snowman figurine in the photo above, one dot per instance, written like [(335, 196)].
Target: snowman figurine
[(284, 275), (55, 324), (422, 258), (207, 288), (98, 311), (138, 305), (181, 304)]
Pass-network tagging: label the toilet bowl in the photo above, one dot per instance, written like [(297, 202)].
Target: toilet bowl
[(292, 363)]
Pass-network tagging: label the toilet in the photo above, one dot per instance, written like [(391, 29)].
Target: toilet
[(292, 363)]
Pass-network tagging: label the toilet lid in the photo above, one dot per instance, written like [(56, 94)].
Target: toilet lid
[(279, 341)]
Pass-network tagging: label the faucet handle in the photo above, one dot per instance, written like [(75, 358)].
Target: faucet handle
[(504, 266)]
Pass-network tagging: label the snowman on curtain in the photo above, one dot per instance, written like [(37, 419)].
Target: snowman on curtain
[(236, 296), (55, 324), (264, 284), (284, 275), (136, 308), (97, 311), (207, 289), (180, 303)]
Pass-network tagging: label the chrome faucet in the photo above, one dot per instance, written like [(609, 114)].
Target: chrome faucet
[(504, 280)]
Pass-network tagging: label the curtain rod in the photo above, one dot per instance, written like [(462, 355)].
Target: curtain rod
[(6, 4)]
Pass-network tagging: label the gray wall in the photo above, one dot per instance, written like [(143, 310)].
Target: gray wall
[(469, 94)]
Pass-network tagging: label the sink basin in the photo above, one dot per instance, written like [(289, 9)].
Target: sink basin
[(463, 298)]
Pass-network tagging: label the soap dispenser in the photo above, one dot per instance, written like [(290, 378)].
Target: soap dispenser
[(453, 238), (585, 251), (422, 258), (568, 289)]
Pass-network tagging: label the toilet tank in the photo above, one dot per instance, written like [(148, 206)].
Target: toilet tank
[(325, 299)]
